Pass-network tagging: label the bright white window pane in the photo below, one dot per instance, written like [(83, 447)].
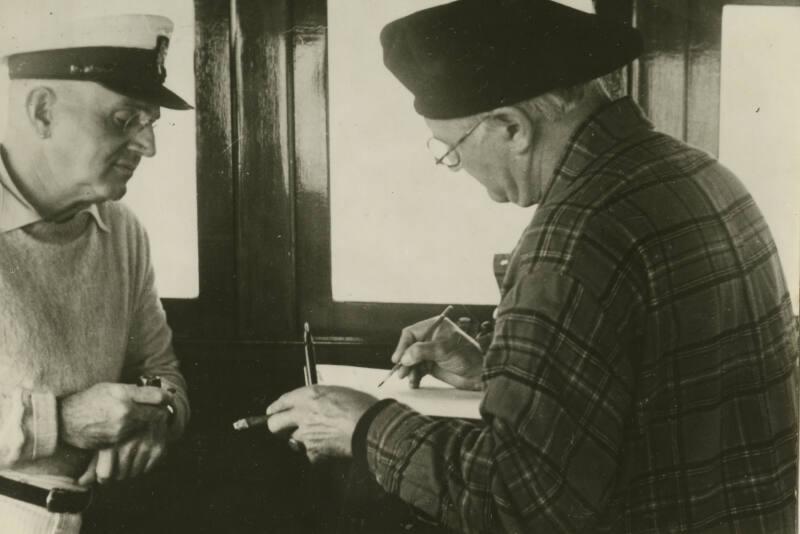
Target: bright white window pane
[(163, 191), (760, 118), (403, 230)]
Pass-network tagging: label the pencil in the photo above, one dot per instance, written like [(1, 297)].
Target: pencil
[(311, 356), (425, 337), (251, 422), (310, 378)]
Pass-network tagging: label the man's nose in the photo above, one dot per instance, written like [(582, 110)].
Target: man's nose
[(144, 142)]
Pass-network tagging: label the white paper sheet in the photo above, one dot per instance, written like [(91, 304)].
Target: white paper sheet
[(433, 397)]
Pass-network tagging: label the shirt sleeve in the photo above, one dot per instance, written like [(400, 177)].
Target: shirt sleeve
[(28, 425), (150, 339), (558, 391)]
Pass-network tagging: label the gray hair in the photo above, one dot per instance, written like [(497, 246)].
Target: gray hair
[(556, 103)]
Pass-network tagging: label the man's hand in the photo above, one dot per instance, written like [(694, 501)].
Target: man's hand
[(131, 458), (450, 355), (322, 418), (106, 414)]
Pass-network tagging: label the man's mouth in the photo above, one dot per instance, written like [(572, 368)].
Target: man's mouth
[(129, 167)]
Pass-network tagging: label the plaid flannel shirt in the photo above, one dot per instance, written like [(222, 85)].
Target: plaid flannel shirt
[(642, 372)]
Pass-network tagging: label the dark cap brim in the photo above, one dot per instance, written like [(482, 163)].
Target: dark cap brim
[(132, 72), (158, 96)]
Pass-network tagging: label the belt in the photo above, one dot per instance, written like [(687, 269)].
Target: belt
[(58, 501)]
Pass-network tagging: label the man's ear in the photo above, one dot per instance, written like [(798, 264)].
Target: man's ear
[(39, 109), (517, 127)]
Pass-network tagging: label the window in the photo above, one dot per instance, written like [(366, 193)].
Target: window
[(163, 192), (760, 118), (402, 229), (384, 237)]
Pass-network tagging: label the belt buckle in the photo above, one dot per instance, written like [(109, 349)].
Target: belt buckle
[(57, 501)]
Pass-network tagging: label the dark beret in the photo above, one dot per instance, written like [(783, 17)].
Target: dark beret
[(470, 56)]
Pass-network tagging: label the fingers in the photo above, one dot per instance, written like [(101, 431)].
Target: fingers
[(418, 358), (106, 464), (126, 454), (284, 402), (415, 376), (132, 459), (281, 422), (419, 332), (423, 351), (295, 445), (147, 458), (139, 461), (89, 476), (149, 395), (139, 419), (153, 459), (281, 412), (407, 338), (293, 399)]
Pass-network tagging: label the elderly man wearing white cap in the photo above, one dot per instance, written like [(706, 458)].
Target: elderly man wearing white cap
[(80, 320)]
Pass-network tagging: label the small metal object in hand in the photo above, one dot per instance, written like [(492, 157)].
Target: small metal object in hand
[(149, 380), (155, 382)]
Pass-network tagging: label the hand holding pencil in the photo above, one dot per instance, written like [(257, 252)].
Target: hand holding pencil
[(310, 377), (426, 335), (438, 347)]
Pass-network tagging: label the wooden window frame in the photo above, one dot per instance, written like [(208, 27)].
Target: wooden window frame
[(375, 321), (211, 314), (357, 321)]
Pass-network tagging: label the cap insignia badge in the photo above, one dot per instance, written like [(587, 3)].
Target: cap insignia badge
[(162, 44)]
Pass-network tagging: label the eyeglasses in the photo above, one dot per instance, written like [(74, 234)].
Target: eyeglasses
[(444, 154), (131, 122)]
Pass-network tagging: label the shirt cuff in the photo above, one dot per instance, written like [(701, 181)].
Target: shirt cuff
[(45, 424), (358, 443)]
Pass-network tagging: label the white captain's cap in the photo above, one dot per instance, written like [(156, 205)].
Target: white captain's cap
[(124, 53)]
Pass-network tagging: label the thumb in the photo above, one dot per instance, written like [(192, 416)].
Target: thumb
[(422, 351), (89, 477), (148, 395)]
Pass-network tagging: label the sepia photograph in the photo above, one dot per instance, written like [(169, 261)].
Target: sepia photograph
[(391, 266)]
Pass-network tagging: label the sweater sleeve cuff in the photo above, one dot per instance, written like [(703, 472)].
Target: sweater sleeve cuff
[(359, 439), (45, 424)]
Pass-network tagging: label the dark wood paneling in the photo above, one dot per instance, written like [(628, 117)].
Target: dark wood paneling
[(310, 13), (702, 74), (660, 87), (618, 83), (213, 314), (311, 166), (264, 187), (678, 76)]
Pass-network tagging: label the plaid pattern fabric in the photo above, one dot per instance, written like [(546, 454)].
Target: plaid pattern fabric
[(642, 372)]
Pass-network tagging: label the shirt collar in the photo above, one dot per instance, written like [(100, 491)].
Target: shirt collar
[(16, 211), (604, 130)]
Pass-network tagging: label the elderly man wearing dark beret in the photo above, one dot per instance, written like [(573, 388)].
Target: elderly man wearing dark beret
[(80, 320), (642, 373)]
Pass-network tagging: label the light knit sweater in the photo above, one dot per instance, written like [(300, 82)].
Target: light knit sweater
[(78, 306)]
